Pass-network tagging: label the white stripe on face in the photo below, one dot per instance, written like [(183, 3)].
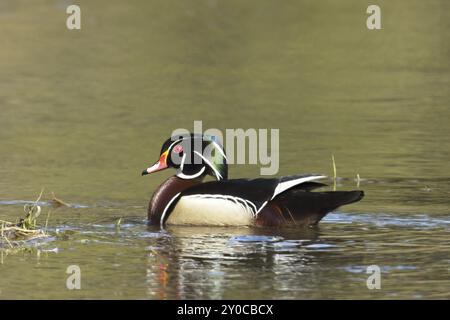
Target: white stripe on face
[(217, 173), (181, 175)]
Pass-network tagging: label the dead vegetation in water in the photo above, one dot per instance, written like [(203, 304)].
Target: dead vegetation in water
[(58, 202), (15, 234)]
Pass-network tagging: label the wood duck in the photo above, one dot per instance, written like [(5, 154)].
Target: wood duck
[(184, 199)]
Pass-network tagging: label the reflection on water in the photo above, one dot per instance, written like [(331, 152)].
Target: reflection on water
[(330, 261), (206, 261), (214, 264), (83, 112)]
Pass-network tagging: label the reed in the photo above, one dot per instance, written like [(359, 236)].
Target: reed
[(334, 172)]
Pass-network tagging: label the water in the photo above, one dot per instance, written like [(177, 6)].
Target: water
[(84, 112)]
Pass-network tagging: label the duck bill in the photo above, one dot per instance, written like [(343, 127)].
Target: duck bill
[(161, 164)]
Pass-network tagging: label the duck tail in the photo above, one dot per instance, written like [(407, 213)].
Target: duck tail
[(309, 208), (340, 198)]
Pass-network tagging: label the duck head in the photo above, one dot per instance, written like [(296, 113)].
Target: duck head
[(194, 156)]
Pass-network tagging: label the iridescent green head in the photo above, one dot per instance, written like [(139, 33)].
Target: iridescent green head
[(194, 156)]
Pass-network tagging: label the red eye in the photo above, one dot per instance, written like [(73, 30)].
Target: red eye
[(178, 148)]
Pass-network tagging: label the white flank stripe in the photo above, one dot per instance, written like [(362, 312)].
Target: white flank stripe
[(260, 208), (283, 186)]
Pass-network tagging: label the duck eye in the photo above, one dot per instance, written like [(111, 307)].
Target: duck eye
[(178, 148)]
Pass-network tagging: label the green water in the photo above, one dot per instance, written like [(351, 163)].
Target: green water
[(82, 113)]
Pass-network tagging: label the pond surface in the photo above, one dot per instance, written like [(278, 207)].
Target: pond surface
[(84, 112)]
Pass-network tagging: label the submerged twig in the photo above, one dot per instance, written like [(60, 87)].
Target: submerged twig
[(58, 202)]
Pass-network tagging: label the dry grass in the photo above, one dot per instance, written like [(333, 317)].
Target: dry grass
[(13, 234)]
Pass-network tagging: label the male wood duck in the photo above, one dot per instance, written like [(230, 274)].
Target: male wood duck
[(184, 199)]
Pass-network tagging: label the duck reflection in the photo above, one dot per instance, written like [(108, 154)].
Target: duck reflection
[(226, 263)]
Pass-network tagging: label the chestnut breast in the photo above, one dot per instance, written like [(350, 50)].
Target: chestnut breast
[(165, 192)]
